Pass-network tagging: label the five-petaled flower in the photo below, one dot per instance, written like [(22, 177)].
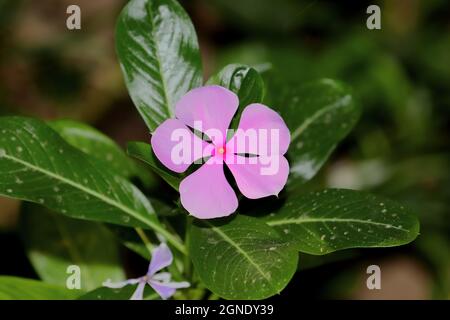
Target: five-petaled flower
[(160, 282), (206, 192)]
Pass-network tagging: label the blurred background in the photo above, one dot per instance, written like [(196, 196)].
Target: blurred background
[(400, 76)]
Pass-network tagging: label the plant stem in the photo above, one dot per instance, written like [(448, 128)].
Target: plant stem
[(187, 240), (144, 239), (173, 240)]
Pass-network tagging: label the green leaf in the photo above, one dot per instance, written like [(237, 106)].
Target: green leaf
[(124, 293), (241, 257), (101, 147), (14, 288), (336, 219), (37, 165), (243, 80), (143, 151), (159, 55), (53, 242), (319, 115)]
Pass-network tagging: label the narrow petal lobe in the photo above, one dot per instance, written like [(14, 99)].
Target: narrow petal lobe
[(139, 292), (161, 258)]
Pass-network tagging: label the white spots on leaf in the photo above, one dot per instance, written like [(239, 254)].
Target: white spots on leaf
[(41, 201), (212, 241), (272, 248), (13, 138), (9, 190), (383, 211), (381, 204), (286, 231), (18, 180), (322, 237), (56, 189), (19, 149), (345, 233), (126, 219), (2, 153), (359, 229)]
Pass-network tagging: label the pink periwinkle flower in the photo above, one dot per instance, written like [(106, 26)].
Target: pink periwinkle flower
[(160, 282), (256, 161)]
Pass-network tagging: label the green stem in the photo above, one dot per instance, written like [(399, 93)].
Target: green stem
[(170, 238), (144, 239), (187, 240)]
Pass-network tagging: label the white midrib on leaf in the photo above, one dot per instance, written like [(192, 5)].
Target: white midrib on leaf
[(240, 250), (339, 103), (107, 200), (316, 220)]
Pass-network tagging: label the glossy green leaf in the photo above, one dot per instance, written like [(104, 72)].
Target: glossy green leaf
[(37, 165), (319, 115), (14, 288), (241, 257), (53, 242), (159, 55), (243, 80), (101, 147), (124, 293), (336, 219), (143, 151)]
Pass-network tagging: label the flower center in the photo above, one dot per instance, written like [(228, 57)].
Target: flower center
[(221, 150)]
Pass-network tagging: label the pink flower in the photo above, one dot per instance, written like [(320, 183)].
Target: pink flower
[(254, 154)]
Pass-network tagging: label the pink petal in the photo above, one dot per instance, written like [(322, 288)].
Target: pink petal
[(206, 193), (273, 136), (161, 258), (263, 177), (214, 106), (176, 146)]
